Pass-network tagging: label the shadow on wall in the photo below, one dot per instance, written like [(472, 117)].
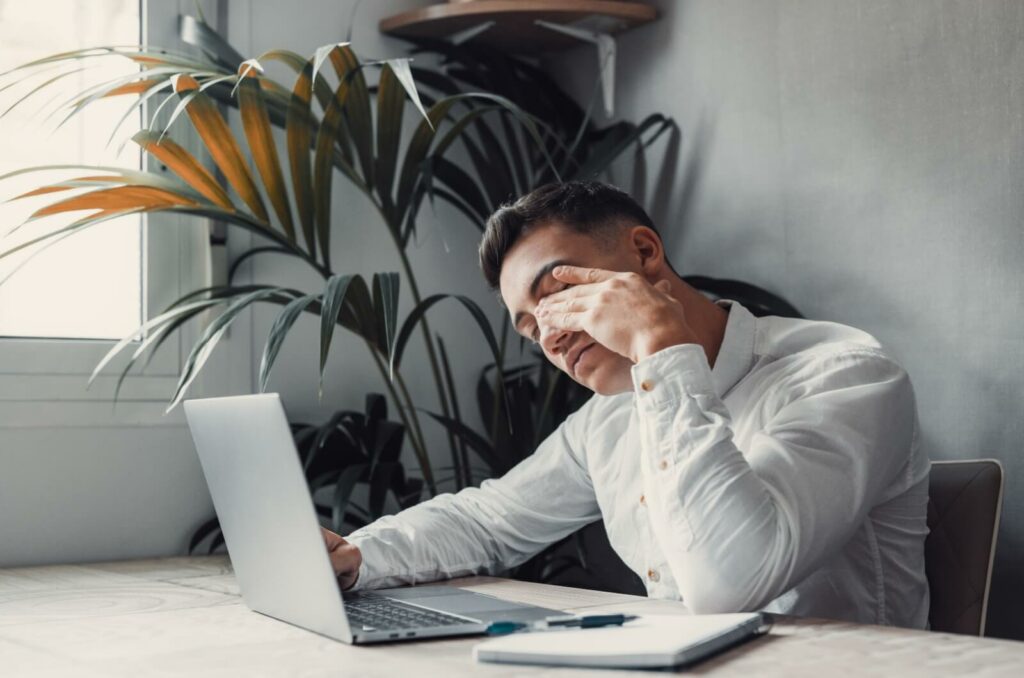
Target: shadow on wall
[(671, 201)]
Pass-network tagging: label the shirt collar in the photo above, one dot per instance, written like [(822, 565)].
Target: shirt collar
[(736, 354)]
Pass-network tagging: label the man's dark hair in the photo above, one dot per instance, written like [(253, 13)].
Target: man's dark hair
[(588, 207)]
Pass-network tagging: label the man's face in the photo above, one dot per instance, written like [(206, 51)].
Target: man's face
[(526, 279)]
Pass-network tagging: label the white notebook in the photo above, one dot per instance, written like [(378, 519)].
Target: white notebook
[(652, 641)]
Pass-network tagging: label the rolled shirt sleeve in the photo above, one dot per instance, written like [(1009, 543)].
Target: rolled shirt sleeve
[(485, 529), (739, 528)]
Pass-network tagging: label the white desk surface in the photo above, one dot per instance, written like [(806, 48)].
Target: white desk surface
[(183, 616)]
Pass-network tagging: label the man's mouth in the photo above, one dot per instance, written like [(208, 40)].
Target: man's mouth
[(574, 361)]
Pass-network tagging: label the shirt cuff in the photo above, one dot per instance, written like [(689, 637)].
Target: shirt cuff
[(671, 374)]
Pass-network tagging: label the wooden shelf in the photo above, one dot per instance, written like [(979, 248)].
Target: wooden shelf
[(514, 29)]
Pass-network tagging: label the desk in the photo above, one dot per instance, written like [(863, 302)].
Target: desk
[(183, 616)]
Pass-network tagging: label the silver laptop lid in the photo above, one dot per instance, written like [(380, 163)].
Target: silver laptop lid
[(270, 528)]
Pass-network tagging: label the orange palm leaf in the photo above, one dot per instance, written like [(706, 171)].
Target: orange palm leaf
[(116, 199), (220, 142), (261, 144), (185, 165)]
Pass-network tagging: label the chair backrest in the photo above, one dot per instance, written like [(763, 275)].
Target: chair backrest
[(965, 500)]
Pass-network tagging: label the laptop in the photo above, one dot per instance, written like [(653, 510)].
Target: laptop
[(280, 560)]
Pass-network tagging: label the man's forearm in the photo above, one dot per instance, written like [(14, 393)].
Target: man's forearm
[(437, 539), (482, 529)]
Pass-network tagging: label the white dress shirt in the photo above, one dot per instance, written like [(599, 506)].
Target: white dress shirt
[(788, 478)]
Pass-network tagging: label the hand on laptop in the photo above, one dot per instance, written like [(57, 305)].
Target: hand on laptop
[(345, 558)]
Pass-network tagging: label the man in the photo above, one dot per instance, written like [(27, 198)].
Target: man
[(739, 463)]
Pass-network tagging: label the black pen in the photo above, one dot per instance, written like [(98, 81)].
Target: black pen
[(587, 622)]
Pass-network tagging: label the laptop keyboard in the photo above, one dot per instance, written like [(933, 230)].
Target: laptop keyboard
[(378, 613)]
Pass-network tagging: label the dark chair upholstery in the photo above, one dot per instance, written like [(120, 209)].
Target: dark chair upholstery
[(965, 499)]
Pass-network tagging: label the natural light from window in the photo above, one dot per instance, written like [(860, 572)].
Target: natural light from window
[(88, 285)]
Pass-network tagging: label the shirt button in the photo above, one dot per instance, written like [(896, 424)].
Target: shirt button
[(646, 385), (653, 575), (663, 464), (643, 500)]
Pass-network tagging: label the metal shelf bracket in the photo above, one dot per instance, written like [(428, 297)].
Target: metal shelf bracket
[(606, 50), (470, 33)]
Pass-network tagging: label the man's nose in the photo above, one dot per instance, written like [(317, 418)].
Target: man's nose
[(554, 341)]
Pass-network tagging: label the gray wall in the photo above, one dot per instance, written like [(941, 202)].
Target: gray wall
[(864, 160)]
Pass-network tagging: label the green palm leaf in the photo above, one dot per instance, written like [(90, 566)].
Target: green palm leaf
[(218, 292), (614, 145), (155, 339), (415, 152), (403, 71), (248, 254), (245, 221), (212, 335), (385, 308), (460, 461), (476, 442), (278, 331), (146, 329), (320, 88), (396, 83), (417, 314), (390, 107), (336, 289), (195, 31), (343, 493)]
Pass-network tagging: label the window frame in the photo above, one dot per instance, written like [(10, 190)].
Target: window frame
[(176, 258)]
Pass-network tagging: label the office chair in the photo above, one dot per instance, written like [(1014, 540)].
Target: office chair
[(964, 502)]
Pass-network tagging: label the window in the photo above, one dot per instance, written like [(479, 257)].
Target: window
[(62, 311), (91, 284)]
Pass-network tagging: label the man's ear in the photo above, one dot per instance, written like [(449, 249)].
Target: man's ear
[(649, 250)]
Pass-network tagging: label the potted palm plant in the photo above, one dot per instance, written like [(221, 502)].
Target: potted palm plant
[(353, 130)]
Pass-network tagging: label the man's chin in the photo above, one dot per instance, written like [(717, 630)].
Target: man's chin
[(606, 382), (608, 390)]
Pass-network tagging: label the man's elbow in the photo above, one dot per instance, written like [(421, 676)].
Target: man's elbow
[(713, 602), (721, 598)]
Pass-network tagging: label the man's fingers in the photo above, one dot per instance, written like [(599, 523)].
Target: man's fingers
[(346, 560), (578, 275), (331, 539), (552, 306), (345, 557), (572, 321), (574, 292)]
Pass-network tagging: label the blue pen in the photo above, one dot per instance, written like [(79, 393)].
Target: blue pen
[(501, 628)]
